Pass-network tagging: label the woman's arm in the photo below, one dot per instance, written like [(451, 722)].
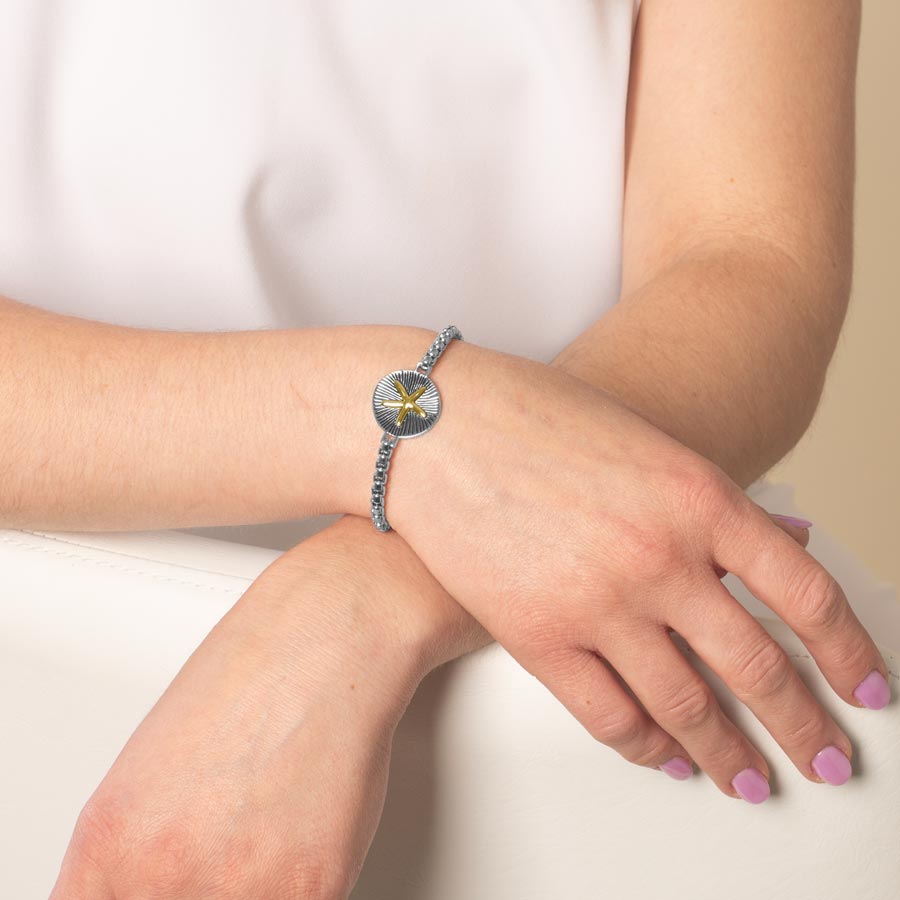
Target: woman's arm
[(106, 427), (737, 266), (737, 224), (569, 523), (260, 773)]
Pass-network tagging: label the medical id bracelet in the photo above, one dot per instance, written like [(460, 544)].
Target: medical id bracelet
[(406, 404)]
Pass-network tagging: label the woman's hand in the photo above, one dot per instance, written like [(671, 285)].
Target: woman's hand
[(260, 773), (579, 535)]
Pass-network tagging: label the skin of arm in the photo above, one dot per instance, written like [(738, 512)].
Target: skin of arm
[(737, 259), (109, 427), (737, 224), (737, 264), (737, 247)]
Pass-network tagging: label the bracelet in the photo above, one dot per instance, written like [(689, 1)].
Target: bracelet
[(406, 404)]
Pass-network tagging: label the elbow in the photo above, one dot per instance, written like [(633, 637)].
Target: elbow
[(810, 321)]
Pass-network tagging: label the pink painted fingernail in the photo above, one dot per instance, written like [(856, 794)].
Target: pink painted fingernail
[(873, 691), (678, 767), (792, 520), (832, 765), (751, 784)]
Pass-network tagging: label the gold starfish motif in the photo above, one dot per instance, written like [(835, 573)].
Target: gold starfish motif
[(406, 402)]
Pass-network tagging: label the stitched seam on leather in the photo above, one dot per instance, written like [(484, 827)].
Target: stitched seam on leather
[(121, 568), (162, 562)]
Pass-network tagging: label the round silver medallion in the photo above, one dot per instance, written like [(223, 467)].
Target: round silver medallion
[(406, 403)]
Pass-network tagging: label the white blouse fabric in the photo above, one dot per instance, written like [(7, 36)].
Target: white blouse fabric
[(199, 164)]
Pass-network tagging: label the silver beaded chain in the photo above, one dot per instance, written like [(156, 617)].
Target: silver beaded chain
[(390, 440)]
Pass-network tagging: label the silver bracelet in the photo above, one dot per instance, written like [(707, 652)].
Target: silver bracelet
[(406, 404)]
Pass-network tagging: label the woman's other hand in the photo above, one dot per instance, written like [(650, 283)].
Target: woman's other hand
[(260, 773), (579, 535)]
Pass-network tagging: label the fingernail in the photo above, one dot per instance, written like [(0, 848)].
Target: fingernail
[(792, 520), (832, 765), (678, 767), (873, 691), (751, 784)]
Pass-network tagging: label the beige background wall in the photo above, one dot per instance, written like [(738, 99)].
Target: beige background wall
[(846, 469)]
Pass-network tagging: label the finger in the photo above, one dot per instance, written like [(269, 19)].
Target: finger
[(759, 673), (683, 704), (584, 684), (791, 525), (798, 533), (794, 585)]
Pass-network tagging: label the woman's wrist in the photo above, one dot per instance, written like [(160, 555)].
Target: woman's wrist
[(399, 622), (168, 429), (357, 440), (479, 387)]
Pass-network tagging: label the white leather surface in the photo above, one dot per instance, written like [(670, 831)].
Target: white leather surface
[(496, 791)]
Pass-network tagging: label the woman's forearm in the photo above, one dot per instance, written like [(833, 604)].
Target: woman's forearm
[(726, 351), (106, 427)]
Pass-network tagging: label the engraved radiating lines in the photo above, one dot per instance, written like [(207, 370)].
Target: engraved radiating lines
[(406, 403)]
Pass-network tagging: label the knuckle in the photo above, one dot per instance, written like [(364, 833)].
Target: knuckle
[(690, 709), (817, 599), (312, 874), (650, 753), (100, 827), (239, 854), (855, 654), (659, 556), (620, 728), (700, 490), (534, 626), (725, 753), (803, 731), (656, 553), (167, 859), (764, 669)]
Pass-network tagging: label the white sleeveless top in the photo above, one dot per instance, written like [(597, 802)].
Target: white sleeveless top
[(235, 164), (243, 164)]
